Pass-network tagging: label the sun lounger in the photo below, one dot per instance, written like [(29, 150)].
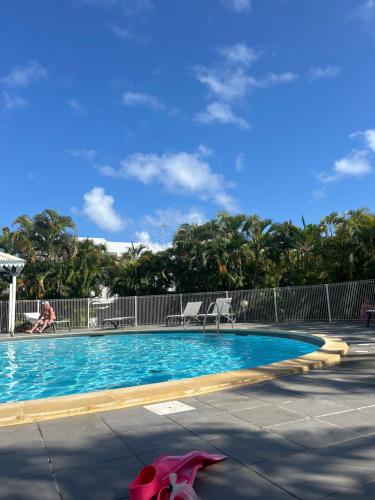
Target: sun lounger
[(190, 312), (115, 322), (34, 316), (220, 308)]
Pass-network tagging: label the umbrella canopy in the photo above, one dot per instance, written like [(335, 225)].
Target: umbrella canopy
[(10, 266)]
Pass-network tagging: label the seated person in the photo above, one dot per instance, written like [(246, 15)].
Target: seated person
[(45, 320)]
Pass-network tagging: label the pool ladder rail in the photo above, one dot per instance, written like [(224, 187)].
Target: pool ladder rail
[(227, 306)]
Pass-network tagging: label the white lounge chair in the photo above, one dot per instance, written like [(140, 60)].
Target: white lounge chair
[(221, 308), (33, 316), (190, 312)]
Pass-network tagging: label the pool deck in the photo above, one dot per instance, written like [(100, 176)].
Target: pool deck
[(304, 436)]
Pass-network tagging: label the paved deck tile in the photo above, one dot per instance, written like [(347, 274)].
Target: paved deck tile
[(240, 484), (25, 462), (34, 488), (132, 417), (310, 475), (104, 481), (313, 433), (20, 437), (269, 415), (145, 439), (212, 427), (358, 421), (250, 448), (230, 401), (314, 407), (81, 441)]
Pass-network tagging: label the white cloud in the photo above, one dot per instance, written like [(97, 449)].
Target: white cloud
[(220, 112), (204, 150), (366, 11), (100, 3), (23, 76), (172, 218), (355, 164), (76, 106), (127, 7), (140, 99), (239, 163), (318, 194), (144, 238), (369, 138), (98, 206), (318, 73), (12, 101), (231, 82), (239, 54), (225, 83), (121, 33), (238, 5), (182, 173), (108, 170), (273, 79), (84, 154)]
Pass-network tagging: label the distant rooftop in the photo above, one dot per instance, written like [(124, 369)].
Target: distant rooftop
[(118, 248)]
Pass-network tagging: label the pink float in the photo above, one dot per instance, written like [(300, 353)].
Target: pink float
[(171, 477)]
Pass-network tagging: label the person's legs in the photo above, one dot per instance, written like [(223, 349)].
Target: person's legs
[(36, 324), (47, 324)]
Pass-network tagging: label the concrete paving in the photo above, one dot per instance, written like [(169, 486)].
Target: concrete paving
[(306, 436)]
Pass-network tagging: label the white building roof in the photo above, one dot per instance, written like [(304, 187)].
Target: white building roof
[(120, 247)]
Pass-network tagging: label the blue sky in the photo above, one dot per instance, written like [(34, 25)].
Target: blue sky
[(133, 114)]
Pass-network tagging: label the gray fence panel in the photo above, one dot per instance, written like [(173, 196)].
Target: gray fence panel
[(349, 301), (114, 307), (154, 309), (304, 303), (253, 305)]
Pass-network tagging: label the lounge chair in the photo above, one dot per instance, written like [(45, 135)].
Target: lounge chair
[(115, 322), (190, 312), (33, 316), (221, 308)]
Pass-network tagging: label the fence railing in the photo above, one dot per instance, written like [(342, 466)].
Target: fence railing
[(332, 302)]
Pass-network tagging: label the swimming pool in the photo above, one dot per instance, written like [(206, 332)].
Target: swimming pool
[(46, 367)]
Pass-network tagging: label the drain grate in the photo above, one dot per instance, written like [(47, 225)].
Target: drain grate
[(168, 407)]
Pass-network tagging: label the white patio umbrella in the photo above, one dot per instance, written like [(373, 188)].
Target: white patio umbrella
[(10, 268)]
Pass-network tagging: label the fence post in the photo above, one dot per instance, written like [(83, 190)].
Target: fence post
[(88, 312), (38, 306), (181, 304), (226, 295), (135, 310), (275, 305), (328, 304)]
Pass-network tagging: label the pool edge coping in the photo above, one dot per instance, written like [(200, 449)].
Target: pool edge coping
[(22, 412)]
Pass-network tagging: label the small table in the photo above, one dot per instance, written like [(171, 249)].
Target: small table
[(61, 322), (369, 313)]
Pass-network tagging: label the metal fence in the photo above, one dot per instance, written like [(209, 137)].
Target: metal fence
[(333, 302)]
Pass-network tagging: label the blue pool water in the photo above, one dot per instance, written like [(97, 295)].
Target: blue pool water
[(55, 367)]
